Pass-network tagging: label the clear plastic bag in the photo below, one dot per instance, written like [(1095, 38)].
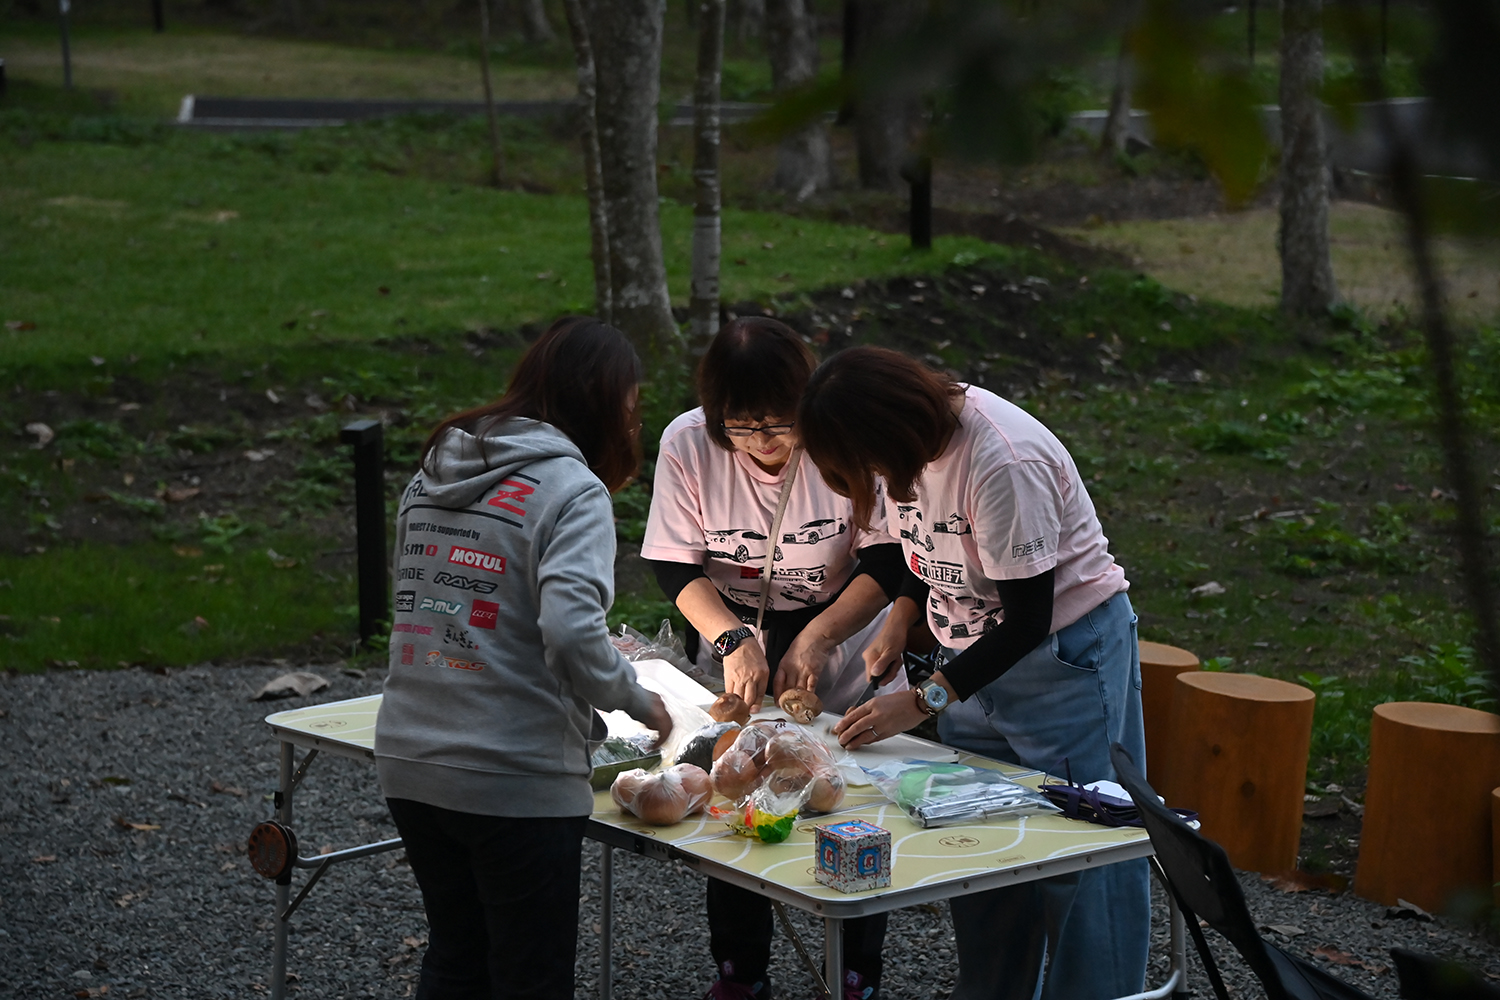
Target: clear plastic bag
[(938, 794), (773, 771), (666, 645), (665, 797)]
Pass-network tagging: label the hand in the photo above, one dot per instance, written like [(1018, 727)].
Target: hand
[(658, 718), (746, 672), (878, 719), (803, 663), (885, 651)]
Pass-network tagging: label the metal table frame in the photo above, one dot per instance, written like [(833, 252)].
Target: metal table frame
[(833, 912)]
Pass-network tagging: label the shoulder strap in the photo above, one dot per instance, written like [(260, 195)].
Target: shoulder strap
[(792, 463)]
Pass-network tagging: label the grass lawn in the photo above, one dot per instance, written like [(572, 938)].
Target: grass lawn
[(1232, 257)]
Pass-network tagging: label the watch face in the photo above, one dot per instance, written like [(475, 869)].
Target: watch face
[(935, 695)]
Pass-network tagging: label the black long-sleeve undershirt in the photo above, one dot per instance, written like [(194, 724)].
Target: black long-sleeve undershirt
[(1028, 620), (881, 563)]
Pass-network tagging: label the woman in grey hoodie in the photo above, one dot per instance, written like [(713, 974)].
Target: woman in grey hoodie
[(499, 655)]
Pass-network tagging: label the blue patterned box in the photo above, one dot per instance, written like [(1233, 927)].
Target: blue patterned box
[(853, 856)]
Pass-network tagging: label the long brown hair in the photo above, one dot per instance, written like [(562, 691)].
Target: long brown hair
[(871, 411), (576, 377), (755, 367)]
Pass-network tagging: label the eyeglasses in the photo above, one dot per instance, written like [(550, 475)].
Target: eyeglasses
[(769, 430)]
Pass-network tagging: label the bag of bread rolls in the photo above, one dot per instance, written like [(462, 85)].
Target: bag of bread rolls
[(665, 797)]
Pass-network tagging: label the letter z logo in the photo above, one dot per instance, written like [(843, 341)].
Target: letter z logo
[(510, 494), (464, 583)]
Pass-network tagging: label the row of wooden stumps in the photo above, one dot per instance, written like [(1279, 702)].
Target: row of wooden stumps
[(1235, 748)]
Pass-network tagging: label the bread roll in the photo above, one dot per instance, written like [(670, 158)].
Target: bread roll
[(729, 707), (827, 791), (697, 783), (660, 801), (627, 785), (735, 774), (786, 780)]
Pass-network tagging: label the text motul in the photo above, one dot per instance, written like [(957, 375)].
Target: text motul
[(460, 556)]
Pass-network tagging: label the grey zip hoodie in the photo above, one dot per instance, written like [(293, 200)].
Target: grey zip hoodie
[(504, 571)]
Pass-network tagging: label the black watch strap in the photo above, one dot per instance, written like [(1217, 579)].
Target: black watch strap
[(730, 640)]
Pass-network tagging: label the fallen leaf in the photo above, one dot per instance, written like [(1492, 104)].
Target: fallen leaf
[(383, 290), (1329, 953), (1301, 881), (44, 859), (290, 324), (126, 824), (224, 215), (297, 684), (187, 551), (223, 789), (768, 246), (177, 494), (271, 395), (1212, 588), (1408, 911), (44, 434), (19, 325), (280, 561), (1285, 930), (261, 454), (96, 360)]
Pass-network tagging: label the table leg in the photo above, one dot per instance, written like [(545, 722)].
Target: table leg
[(283, 884), (607, 923), (1179, 949), (833, 955)]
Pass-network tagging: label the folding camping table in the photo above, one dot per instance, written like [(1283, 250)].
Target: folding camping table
[(926, 864)]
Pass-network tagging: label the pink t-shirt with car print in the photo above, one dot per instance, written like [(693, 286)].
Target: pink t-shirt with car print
[(1003, 502), (715, 507)]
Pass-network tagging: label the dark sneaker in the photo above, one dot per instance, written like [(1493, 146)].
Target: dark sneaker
[(725, 988), (855, 988)]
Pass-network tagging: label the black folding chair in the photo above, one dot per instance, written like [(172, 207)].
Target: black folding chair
[(1197, 872), (1424, 977)]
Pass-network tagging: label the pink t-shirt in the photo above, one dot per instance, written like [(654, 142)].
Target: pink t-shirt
[(1003, 502), (715, 507)]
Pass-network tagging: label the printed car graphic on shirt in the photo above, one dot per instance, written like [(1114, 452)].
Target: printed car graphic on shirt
[(814, 532), (799, 594), (915, 536), (906, 510), (954, 524), (811, 574), (729, 543)]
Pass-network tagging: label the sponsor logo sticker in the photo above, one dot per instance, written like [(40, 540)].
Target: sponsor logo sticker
[(464, 583), (410, 573), (441, 606), (483, 614), (1028, 548), (488, 561), (414, 629), (436, 658), (458, 637), (407, 652), (419, 549), (406, 600)]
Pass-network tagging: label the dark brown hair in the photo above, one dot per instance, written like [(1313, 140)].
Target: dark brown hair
[(576, 377), (871, 411), (756, 367)]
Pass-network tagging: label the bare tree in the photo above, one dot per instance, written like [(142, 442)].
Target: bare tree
[(627, 37), (1117, 122), (583, 53), (1307, 285), (497, 156), (703, 306), (535, 27), (882, 114), (803, 160), (745, 19)]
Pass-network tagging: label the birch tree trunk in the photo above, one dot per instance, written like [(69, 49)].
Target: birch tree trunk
[(1307, 285), (803, 159), (746, 19), (627, 38), (497, 155), (583, 54), (703, 308), (535, 27)]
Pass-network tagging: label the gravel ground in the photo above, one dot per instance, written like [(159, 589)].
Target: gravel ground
[(130, 795)]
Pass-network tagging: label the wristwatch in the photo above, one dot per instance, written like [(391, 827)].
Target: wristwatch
[(932, 697), (730, 641)]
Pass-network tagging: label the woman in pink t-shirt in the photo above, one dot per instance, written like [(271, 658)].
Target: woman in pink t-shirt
[(1038, 661), (720, 475)]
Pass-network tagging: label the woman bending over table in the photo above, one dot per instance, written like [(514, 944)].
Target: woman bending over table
[(1011, 567), (723, 470), (505, 550)]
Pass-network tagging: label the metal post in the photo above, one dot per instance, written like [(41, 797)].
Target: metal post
[(919, 175), (368, 440), (1179, 946), (607, 924), (63, 6), (284, 790), (833, 954), (158, 16)]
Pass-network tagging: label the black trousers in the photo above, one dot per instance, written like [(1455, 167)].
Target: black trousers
[(501, 896), (740, 923)]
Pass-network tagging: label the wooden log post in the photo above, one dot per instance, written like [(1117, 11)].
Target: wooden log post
[(1160, 665), (1239, 757), (1427, 832)]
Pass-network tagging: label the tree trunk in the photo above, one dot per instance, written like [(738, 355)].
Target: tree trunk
[(497, 156), (703, 308), (882, 117), (803, 159), (592, 172), (534, 24), (1307, 285), (627, 38), (1117, 123), (745, 19)]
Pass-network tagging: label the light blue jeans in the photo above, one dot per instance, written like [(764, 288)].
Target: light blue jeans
[(1072, 696)]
